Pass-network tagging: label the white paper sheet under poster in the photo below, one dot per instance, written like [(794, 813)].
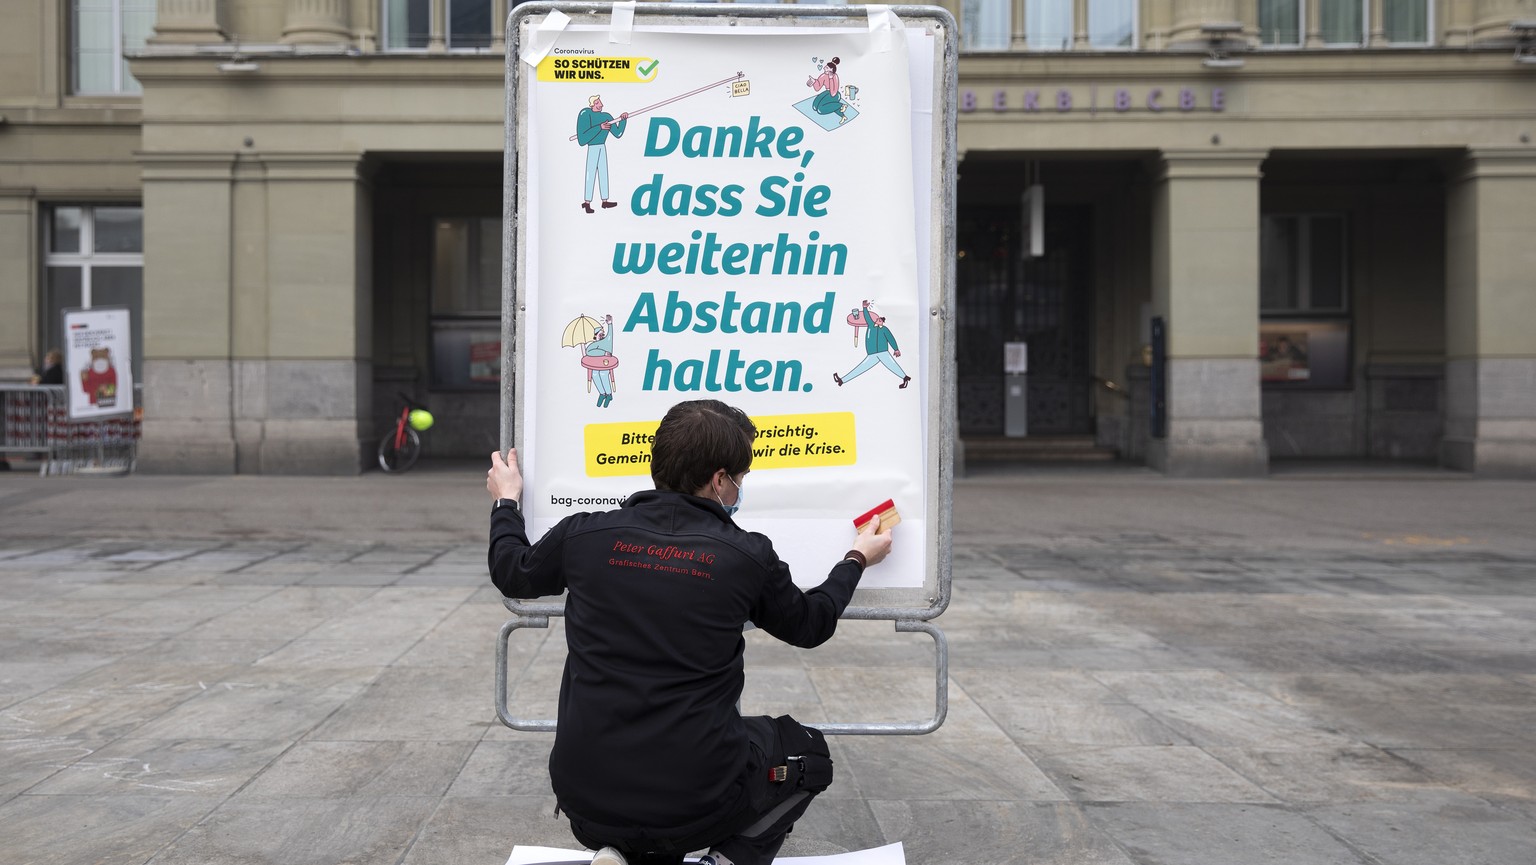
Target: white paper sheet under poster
[(890, 854)]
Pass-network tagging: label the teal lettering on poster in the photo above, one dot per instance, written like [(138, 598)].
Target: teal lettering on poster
[(790, 193)]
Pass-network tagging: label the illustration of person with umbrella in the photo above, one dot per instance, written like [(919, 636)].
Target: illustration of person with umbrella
[(596, 341)]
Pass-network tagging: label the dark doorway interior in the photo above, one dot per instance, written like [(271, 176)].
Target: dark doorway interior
[(437, 295), (1045, 302)]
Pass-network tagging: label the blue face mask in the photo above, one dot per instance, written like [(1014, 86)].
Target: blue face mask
[(741, 496)]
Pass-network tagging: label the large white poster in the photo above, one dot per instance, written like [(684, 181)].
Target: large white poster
[(716, 213), (98, 362)]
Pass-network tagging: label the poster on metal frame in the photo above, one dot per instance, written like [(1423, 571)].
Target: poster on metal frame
[(747, 205), (98, 362)]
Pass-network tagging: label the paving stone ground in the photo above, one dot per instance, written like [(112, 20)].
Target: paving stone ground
[(1312, 669)]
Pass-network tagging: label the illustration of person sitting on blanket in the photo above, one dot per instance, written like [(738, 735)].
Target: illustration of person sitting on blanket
[(828, 89)]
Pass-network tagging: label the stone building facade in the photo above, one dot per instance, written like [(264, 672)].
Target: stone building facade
[(1321, 210)]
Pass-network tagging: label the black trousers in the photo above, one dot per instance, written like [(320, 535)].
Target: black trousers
[(753, 835)]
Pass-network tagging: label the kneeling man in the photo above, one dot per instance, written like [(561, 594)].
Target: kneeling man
[(651, 759)]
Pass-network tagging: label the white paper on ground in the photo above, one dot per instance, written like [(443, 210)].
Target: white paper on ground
[(890, 854)]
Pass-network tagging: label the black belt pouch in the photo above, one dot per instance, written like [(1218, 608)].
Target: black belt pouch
[(805, 753)]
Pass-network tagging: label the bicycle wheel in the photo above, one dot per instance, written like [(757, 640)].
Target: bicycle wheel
[(394, 460)]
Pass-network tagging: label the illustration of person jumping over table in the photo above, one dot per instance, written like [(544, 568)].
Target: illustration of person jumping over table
[(593, 125), (879, 348), (599, 361), (827, 87)]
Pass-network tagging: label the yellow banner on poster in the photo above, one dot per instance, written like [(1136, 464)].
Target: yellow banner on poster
[(598, 70), (783, 441)]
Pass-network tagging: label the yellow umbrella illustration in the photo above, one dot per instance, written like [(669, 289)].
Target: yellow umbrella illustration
[(581, 330)]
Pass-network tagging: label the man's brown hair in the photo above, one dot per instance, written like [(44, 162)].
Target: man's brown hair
[(695, 439)]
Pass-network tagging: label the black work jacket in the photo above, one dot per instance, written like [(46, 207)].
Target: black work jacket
[(648, 732)]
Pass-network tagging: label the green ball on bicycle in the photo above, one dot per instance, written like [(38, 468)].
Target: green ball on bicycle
[(420, 420)]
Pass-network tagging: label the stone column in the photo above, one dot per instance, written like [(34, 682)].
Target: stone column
[(198, 22), (1376, 25), (499, 25), (1153, 21), (305, 367), (257, 322), (1491, 24), (19, 249), (317, 22), (1452, 23), (437, 27), (1080, 40), (1313, 25), (1020, 39), (1490, 371), (187, 375), (365, 24), (1189, 15), (250, 307), (1205, 284)]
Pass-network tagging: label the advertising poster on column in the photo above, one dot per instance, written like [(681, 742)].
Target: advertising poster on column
[(98, 362), (720, 214)]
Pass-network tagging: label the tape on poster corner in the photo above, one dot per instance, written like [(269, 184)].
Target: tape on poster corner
[(882, 24), (622, 27), (544, 36)]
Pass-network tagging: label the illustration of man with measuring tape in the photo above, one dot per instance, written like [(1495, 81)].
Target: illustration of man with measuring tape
[(593, 126)]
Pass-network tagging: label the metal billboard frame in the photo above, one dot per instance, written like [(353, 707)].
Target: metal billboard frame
[(910, 609)]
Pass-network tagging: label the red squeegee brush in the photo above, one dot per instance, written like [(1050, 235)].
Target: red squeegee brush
[(885, 512)]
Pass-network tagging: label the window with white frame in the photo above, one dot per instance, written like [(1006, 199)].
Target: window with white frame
[(1407, 22), (1280, 22), (1048, 24), (1112, 23), (466, 25), (1303, 264), (93, 256), (1342, 22), (406, 24), (986, 25), (100, 31)]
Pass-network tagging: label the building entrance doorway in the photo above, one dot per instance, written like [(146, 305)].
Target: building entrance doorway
[(1045, 302)]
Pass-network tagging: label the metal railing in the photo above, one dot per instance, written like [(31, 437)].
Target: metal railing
[(34, 421), (528, 614), (30, 419)]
